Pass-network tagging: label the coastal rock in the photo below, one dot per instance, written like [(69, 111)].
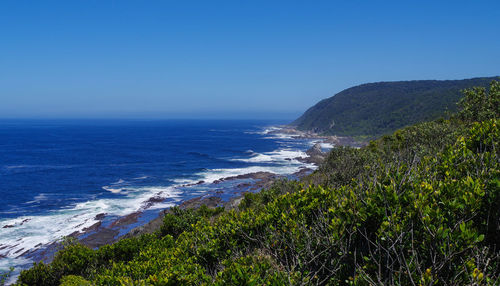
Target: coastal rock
[(255, 176), (315, 155), (100, 216), (195, 203), (303, 172), (315, 150), (103, 237)]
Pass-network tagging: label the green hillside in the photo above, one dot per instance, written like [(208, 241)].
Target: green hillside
[(418, 207), (382, 107)]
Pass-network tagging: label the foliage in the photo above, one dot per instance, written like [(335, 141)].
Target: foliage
[(73, 280), (380, 108), (479, 105), (179, 220), (76, 259), (418, 207)]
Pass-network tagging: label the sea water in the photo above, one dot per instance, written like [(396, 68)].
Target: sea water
[(58, 176)]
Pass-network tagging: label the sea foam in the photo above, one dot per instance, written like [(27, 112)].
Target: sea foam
[(27, 233)]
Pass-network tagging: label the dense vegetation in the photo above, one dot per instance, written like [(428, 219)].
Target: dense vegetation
[(381, 108), (418, 207)]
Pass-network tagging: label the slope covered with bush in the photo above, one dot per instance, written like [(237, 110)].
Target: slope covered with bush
[(418, 207), (381, 108)]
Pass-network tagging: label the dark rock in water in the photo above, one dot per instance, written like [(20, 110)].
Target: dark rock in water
[(100, 216), (126, 220), (7, 226), (315, 150), (103, 237), (195, 203), (19, 250), (93, 227), (153, 200), (156, 199), (303, 172), (243, 185), (255, 176)]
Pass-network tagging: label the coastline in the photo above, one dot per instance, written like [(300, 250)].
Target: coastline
[(102, 227), (98, 236), (148, 218), (261, 180), (328, 139)]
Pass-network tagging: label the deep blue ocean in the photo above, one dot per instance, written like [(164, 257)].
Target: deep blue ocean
[(56, 176)]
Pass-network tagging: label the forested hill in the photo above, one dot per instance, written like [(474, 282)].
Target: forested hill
[(380, 108)]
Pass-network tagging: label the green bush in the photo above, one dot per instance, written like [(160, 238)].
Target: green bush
[(72, 280), (179, 220)]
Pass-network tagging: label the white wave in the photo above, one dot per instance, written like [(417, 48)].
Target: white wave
[(280, 136), (284, 156), (182, 181), (284, 162), (213, 175), (16, 166), (272, 132), (270, 129), (38, 198), (31, 232), (324, 145), (113, 190), (265, 130), (140, 178)]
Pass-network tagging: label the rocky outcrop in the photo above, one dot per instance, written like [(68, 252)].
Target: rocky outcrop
[(315, 155)]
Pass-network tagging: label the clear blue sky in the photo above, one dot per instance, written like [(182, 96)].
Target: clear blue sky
[(164, 59)]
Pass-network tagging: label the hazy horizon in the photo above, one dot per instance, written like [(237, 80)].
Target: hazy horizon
[(151, 116)]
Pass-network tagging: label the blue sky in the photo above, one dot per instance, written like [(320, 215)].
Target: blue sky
[(228, 59)]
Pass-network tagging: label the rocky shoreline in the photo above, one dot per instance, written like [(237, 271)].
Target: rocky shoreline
[(331, 139), (98, 235)]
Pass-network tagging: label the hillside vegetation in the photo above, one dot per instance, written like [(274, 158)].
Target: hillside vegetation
[(375, 109), (418, 207)]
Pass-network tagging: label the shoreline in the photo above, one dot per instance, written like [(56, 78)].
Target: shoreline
[(261, 180), (224, 191), (331, 139), (108, 230)]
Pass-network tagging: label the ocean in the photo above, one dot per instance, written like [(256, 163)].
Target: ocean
[(59, 177)]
